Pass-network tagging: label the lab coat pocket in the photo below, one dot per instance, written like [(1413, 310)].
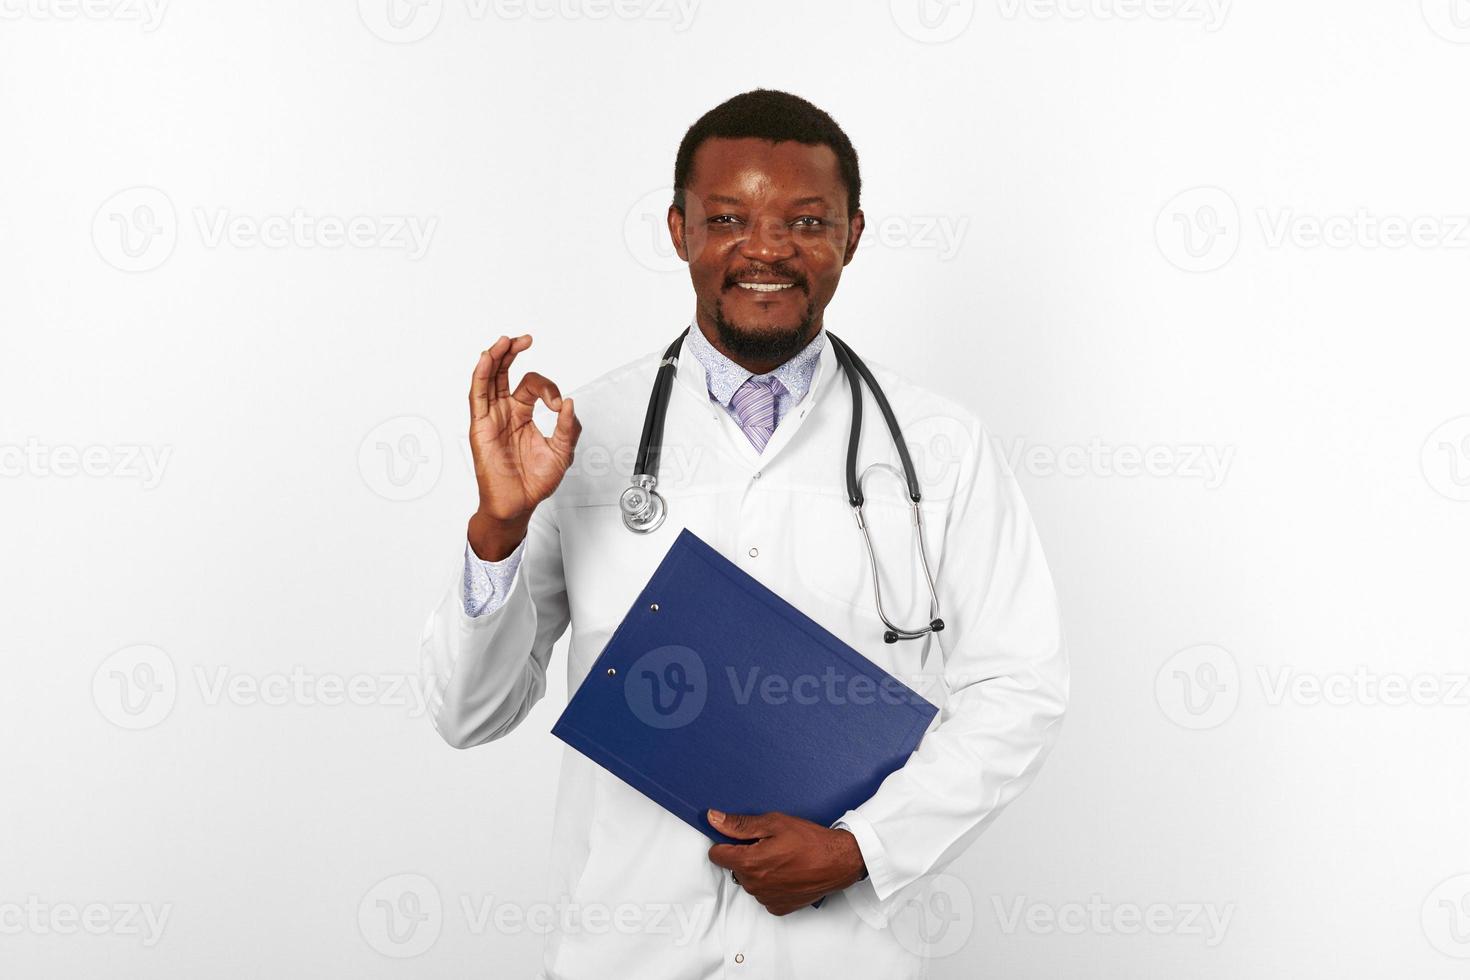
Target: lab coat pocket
[(607, 565), (834, 576)]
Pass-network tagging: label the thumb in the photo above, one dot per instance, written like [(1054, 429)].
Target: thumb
[(744, 826)]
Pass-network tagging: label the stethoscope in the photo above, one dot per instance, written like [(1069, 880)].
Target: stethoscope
[(644, 507)]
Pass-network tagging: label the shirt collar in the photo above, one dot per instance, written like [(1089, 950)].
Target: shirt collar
[(723, 377)]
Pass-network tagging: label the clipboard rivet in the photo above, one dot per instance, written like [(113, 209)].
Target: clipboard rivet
[(612, 672), (653, 607)]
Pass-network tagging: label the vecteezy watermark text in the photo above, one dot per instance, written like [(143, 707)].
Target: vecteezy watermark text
[(1209, 464), (148, 14), (136, 230), (1210, 14), (1206, 920), (137, 688), (123, 461), (403, 915), (41, 918)]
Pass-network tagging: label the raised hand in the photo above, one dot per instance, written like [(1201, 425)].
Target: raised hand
[(516, 467)]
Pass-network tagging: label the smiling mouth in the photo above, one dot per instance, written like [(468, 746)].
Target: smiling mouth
[(765, 287)]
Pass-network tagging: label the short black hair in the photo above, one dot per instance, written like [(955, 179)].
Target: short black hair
[(769, 114)]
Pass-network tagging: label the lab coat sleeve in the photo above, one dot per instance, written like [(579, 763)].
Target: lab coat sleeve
[(484, 673), (1006, 674)]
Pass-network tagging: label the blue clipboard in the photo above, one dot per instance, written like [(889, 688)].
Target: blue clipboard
[(714, 692)]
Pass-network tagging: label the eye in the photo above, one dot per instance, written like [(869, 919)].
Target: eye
[(723, 219), (812, 221)]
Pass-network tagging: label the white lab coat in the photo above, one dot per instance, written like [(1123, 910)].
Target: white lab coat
[(998, 671)]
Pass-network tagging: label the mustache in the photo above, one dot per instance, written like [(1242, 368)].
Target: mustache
[(773, 272)]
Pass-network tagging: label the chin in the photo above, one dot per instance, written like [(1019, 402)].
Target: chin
[(762, 339)]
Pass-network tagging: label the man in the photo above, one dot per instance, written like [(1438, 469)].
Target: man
[(766, 213)]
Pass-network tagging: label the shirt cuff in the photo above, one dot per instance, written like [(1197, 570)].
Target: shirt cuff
[(487, 583), (863, 896), (842, 825)]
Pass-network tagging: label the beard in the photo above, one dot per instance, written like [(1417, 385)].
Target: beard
[(777, 344)]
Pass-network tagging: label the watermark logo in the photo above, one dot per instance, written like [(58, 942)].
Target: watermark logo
[(400, 21), (942, 449), (135, 230), (666, 687), (1199, 229), (1445, 459), (1198, 687), (136, 687), (1450, 19), (1445, 917), (1201, 686), (401, 459), (401, 916), (932, 21), (646, 232), (935, 918)]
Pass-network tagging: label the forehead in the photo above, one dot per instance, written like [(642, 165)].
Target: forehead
[(759, 168)]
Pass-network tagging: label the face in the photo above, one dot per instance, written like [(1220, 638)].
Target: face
[(766, 234)]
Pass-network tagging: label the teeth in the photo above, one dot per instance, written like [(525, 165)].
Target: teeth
[(765, 287)]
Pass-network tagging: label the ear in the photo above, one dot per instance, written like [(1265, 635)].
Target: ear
[(855, 226), (676, 232)]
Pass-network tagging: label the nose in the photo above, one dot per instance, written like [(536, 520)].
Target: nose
[(769, 241)]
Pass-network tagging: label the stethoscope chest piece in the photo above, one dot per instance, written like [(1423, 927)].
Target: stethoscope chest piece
[(642, 506)]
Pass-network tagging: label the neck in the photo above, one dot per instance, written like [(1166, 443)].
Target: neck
[(753, 362)]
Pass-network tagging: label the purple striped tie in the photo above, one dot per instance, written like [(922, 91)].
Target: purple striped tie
[(755, 406)]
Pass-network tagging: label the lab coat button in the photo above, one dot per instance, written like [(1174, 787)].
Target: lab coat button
[(739, 957), (754, 552)]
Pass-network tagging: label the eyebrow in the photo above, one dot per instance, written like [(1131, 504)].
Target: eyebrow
[(799, 202)]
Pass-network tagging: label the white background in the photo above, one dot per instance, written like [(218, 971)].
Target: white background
[(1100, 235)]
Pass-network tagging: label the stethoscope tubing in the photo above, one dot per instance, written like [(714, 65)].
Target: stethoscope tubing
[(644, 507)]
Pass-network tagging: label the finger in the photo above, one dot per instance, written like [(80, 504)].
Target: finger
[(535, 385), (495, 352), (502, 370), (480, 387), (568, 429), (728, 856)]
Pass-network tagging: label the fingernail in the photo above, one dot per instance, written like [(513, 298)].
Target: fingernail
[(716, 815)]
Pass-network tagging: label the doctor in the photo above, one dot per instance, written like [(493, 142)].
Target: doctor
[(753, 458)]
